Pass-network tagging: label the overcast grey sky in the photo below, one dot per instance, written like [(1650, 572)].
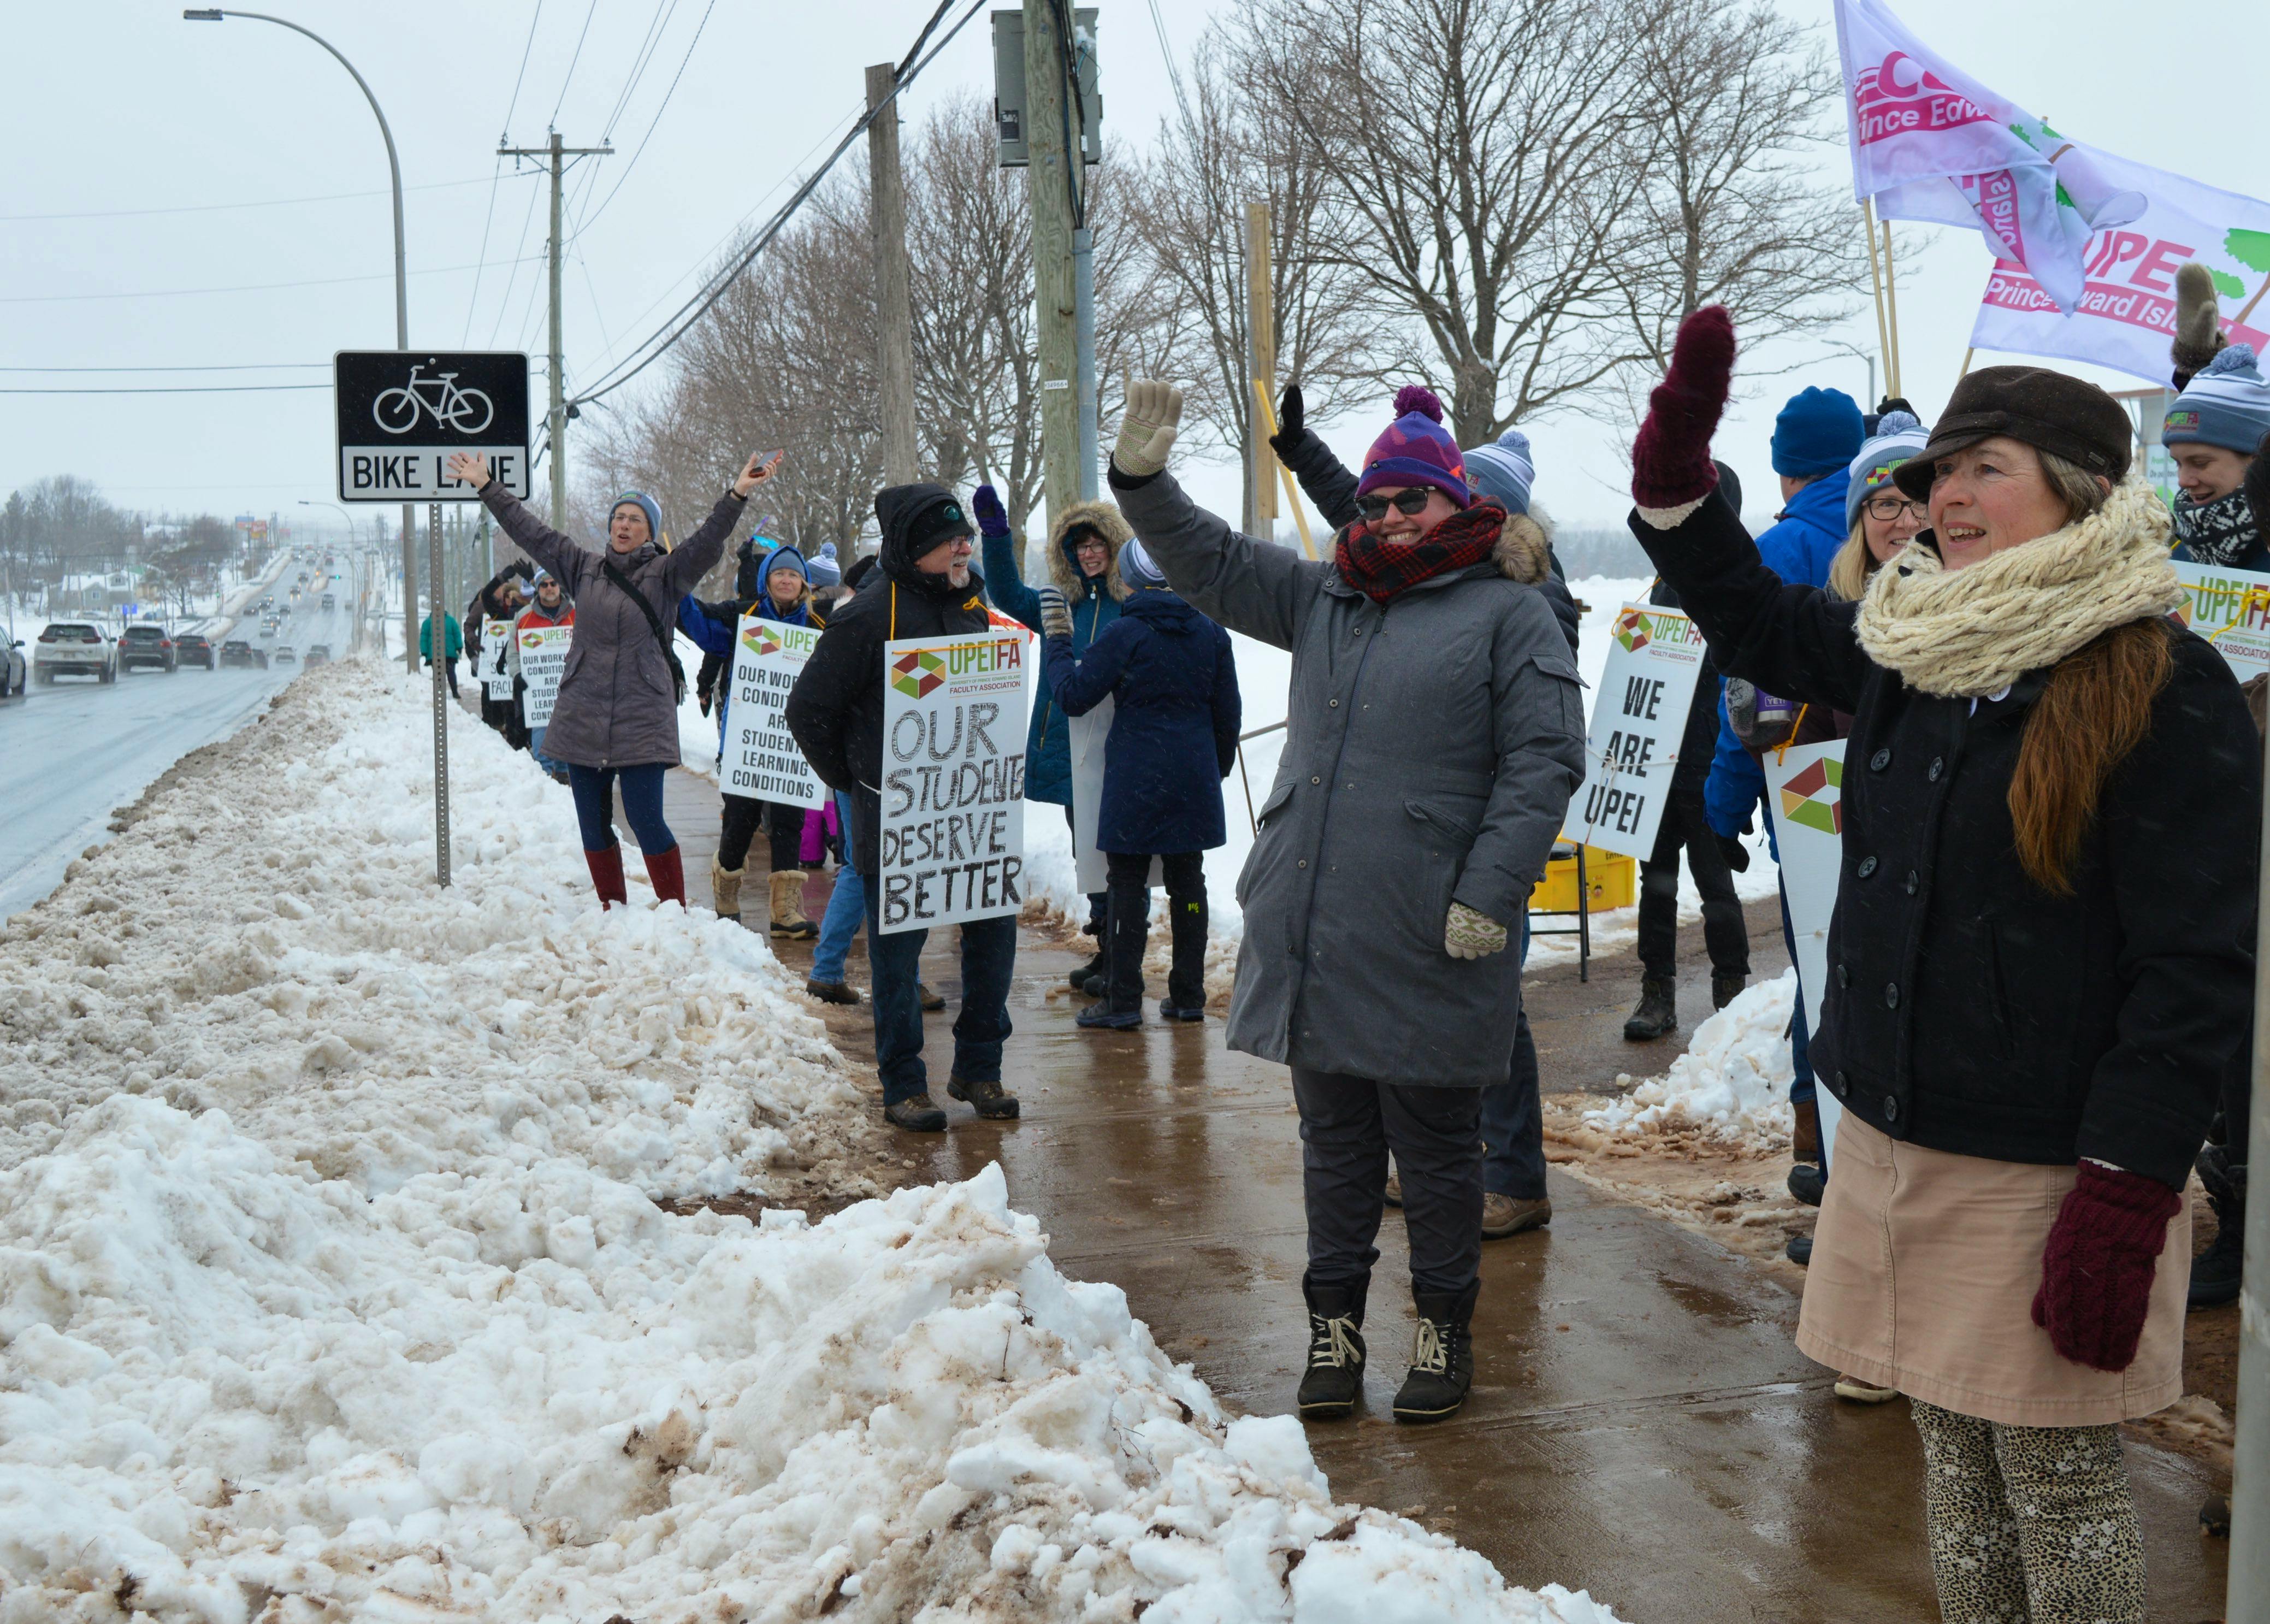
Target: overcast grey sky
[(137, 139)]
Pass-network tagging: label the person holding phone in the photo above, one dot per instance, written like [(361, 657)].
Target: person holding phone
[(616, 717)]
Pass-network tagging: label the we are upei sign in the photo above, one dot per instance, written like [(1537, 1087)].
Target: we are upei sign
[(402, 412)]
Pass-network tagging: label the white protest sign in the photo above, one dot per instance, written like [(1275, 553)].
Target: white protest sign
[(543, 658), (760, 759), (2230, 608), (1637, 724), (954, 778), (496, 654), (1090, 735), (1804, 797)]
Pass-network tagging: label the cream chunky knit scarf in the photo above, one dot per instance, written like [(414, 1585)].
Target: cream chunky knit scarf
[(1972, 632)]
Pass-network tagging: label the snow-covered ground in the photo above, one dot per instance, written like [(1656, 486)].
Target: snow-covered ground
[(332, 1288), (1732, 1083)]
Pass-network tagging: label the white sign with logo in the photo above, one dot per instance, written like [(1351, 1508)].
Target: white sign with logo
[(2230, 608), (1089, 736), (1804, 798), (760, 759), (1637, 724), (954, 778), (496, 659), (543, 658)]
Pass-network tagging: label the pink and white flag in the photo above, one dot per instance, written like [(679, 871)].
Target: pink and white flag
[(1930, 143)]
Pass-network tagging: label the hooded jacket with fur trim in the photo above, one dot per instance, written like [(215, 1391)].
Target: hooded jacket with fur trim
[(1048, 743)]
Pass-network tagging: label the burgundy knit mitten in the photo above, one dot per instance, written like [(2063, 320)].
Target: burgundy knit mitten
[(1671, 458), (2098, 1266)]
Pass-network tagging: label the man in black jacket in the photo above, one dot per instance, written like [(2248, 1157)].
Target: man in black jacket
[(835, 711)]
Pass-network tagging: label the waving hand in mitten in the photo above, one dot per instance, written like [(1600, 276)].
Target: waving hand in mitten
[(1671, 457)]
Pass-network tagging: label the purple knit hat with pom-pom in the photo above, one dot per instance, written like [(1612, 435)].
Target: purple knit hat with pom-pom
[(1417, 450)]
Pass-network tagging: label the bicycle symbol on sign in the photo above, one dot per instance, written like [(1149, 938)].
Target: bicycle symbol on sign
[(397, 410)]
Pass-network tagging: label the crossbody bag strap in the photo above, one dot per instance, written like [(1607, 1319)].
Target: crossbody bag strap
[(660, 632)]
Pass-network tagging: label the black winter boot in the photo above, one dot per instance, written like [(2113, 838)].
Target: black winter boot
[(1725, 989), (1097, 966), (2215, 1272), (1658, 1014), (1441, 1358), (1334, 1381), (1185, 998)]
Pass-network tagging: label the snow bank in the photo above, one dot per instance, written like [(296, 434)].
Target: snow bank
[(330, 1287), (1731, 1082)]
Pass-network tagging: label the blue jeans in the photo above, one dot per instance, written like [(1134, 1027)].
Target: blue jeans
[(1513, 1116), (535, 749), (594, 788), (847, 905), (988, 959)]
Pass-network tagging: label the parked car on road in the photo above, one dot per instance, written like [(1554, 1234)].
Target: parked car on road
[(283, 655), (318, 654), (146, 645), (193, 649), (76, 648), (236, 651), (15, 670)]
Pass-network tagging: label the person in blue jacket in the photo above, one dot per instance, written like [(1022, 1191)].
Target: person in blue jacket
[(1083, 557), (1815, 438), (1173, 681), (785, 596)]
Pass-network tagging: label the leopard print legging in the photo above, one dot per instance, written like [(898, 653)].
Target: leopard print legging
[(2030, 1525)]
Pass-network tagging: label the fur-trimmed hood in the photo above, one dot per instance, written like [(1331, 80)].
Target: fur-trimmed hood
[(1103, 518)]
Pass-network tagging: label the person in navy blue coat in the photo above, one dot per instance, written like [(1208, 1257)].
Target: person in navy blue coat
[(1173, 682)]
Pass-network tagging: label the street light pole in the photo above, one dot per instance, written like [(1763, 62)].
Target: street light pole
[(214, 14)]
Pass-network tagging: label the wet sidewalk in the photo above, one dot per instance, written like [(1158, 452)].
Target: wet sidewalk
[(1641, 1425)]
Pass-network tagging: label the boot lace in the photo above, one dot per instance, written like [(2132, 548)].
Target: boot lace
[(1331, 1341), (1429, 1353)]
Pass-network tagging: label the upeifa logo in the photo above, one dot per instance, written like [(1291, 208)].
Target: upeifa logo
[(1899, 97), (1633, 630), (1815, 798), (1636, 628), (530, 638), (759, 639), (918, 674)]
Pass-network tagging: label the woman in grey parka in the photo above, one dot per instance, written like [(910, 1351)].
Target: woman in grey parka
[(1435, 733)]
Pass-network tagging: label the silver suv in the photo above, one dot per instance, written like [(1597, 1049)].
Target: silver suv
[(75, 649)]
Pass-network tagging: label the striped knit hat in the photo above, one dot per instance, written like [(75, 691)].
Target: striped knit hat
[(2227, 406)]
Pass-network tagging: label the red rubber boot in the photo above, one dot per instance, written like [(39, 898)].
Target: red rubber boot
[(667, 870), (607, 875)]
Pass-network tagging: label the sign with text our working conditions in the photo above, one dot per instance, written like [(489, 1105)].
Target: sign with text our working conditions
[(1637, 724), (402, 412)]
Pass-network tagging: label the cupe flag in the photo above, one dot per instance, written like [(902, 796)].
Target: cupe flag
[(1930, 143)]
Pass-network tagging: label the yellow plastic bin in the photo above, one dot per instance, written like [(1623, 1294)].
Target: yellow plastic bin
[(1611, 881)]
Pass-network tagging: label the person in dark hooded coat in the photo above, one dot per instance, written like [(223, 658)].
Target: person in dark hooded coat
[(1173, 681)]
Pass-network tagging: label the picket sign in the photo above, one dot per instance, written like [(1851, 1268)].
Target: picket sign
[(496, 653), (1638, 721), (543, 657), (1805, 799), (760, 758), (1090, 734), (2230, 608), (954, 711)]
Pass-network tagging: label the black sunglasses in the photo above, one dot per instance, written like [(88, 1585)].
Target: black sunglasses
[(1412, 503)]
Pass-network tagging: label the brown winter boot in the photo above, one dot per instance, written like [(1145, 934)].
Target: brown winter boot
[(725, 885), (788, 907), (1804, 1138), (1658, 1014)]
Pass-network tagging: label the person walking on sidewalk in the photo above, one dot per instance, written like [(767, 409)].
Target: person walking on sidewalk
[(616, 715), (1437, 733), (2041, 954), (1514, 1198), (550, 608), (1083, 559), (1173, 681), (926, 588), (453, 644), (713, 628)]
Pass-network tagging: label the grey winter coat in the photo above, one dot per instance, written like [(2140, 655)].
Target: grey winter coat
[(617, 704), (1432, 748)]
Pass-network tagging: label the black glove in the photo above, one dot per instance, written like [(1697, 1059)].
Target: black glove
[(705, 698), (1291, 418), (1738, 856)]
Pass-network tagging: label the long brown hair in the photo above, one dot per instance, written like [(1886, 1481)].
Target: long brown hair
[(2096, 708)]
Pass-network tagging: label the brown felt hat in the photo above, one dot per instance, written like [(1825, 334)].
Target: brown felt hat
[(2047, 409)]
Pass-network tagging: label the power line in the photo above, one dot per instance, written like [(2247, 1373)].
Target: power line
[(639, 63), (244, 287), (210, 208), (528, 46), (231, 367), (504, 301), (173, 388), (625, 173), (572, 60)]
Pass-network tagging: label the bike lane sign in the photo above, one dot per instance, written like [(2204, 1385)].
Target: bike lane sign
[(402, 412)]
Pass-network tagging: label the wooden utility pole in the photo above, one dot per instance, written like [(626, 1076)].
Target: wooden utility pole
[(556, 419), (1261, 366), (1049, 179), (893, 300)]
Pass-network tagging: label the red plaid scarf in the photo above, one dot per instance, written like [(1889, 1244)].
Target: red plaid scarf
[(1380, 569)]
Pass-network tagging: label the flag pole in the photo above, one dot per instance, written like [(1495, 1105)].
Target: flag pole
[(1967, 354), (1892, 312), (1876, 280)]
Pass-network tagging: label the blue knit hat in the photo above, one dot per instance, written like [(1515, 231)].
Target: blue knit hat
[(1818, 431), (1503, 469), (1899, 436), (646, 505), (823, 570), (1137, 567), (1414, 451), (785, 556), (2227, 406)]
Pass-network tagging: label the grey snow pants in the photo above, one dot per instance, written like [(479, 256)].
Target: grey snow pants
[(1348, 1124)]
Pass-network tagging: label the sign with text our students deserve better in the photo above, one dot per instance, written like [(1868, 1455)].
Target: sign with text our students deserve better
[(543, 658), (2230, 608), (954, 777), (1637, 722), (760, 758)]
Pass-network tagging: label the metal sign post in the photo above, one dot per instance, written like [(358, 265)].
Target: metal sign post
[(438, 622)]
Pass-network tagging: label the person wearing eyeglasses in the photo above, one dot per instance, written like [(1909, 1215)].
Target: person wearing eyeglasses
[(1435, 734), (1881, 518)]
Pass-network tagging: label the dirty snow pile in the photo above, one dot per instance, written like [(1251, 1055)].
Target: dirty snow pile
[(330, 1287), (1733, 1082)]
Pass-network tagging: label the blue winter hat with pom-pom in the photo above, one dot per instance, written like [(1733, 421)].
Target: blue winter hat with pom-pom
[(1416, 449), (1503, 469), (1900, 437), (2227, 406), (822, 566)]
